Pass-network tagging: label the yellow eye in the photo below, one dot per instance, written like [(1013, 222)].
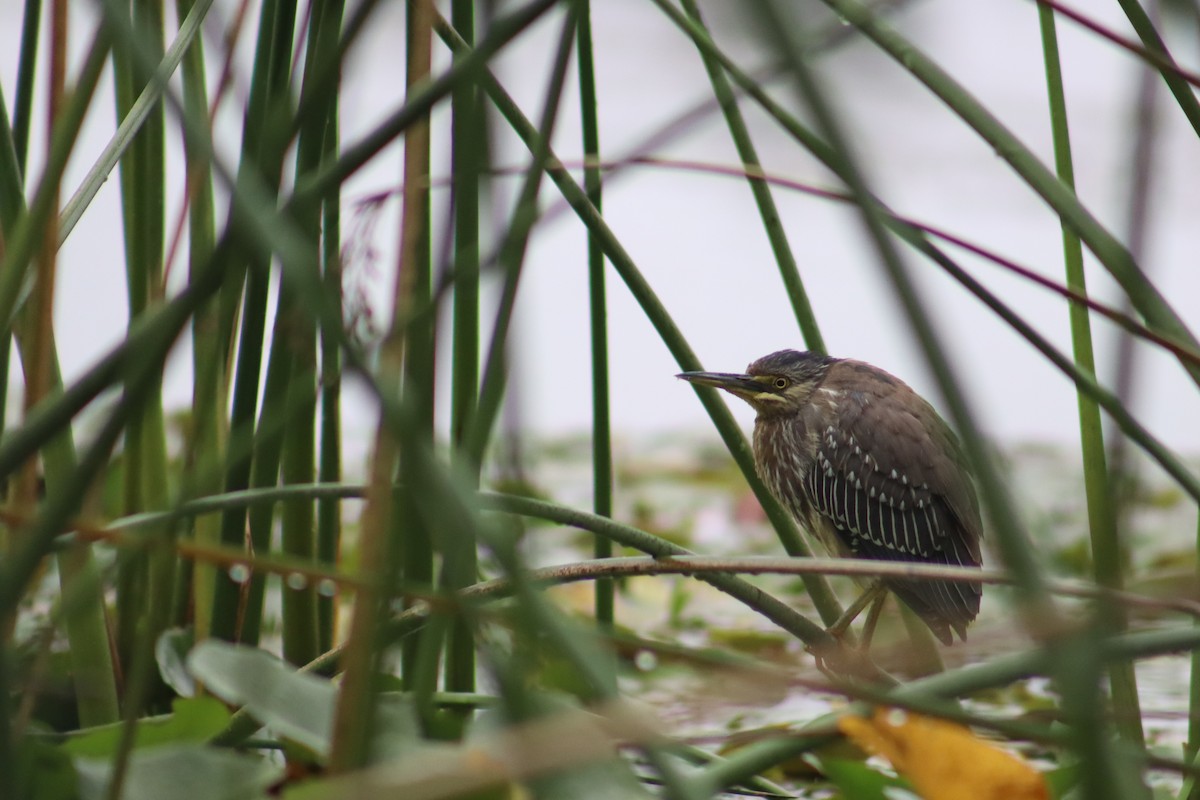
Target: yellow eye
[(781, 383)]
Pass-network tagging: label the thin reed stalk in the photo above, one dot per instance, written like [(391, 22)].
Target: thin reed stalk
[(1102, 520), (468, 159), (602, 456)]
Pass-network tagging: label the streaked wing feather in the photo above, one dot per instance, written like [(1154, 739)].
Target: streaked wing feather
[(875, 490)]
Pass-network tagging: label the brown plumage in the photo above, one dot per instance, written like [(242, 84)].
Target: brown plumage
[(869, 468)]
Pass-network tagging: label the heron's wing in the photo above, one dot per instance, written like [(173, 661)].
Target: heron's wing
[(883, 481)]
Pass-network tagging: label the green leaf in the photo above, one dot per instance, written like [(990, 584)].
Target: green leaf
[(171, 651), (1064, 779), (181, 772), (397, 728), (857, 781), (194, 720), (44, 772), (296, 705)]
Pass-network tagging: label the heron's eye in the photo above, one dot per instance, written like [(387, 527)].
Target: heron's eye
[(781, 383)]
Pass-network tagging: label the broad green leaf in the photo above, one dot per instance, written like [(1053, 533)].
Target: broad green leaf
[(857, 781), (598, 781), (1065, 779), (397, 728), (181, 772), (171, 651), (194, 720), (44, 772), (294, 704)]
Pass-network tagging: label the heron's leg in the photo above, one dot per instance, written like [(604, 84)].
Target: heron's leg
[(873, 614), (876, 591)]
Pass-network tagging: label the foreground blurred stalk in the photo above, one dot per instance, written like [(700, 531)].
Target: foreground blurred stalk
[(393, 543), (144, 584), (91, 658)]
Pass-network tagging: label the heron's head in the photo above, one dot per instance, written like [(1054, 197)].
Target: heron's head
[(777, 384)]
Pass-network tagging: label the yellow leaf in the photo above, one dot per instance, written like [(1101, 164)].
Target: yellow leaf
[(943, 760)]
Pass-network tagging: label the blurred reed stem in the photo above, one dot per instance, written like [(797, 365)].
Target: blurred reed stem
[(1192, 746), (235, 616), (144, 460), (393, 544), (289, 455), (324, 45), (206, 447), (14, 151), (511, 257), (35, 237), (414, 337), (469, 155)]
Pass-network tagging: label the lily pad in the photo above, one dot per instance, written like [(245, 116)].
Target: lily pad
[(180, 772), (296, 705), (193, 720)]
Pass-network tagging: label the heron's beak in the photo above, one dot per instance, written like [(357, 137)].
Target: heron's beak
[(743, 386)]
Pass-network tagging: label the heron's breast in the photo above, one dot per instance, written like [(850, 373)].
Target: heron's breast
[(784, 452)]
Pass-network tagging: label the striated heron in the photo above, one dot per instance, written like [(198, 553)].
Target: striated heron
[(869, 468)]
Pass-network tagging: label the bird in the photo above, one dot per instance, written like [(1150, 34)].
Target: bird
[(870, 469)]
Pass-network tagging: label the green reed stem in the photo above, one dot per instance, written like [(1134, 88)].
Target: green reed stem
[(14, 149), (26, 73), (263, 143), (210, 382), (273, 428), (12, 204), (1113, 255), (143, 585), (723, 420), (12, 179), (329, 511), (602, 459), (468, 155), (1192, 746), (24, 239), (1102, 522), (1178, 86), (323, 45), (394, 544), (139, 109), (512, 256), (295, 331), (414, 335), (64, 497), (301, 630), (740, 133), (90, 655)]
